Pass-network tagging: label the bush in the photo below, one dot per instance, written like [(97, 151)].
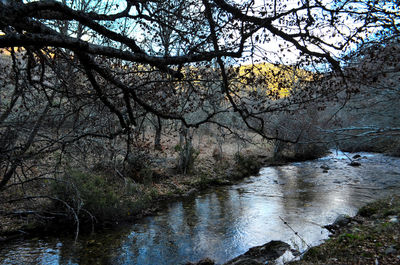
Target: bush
[(88, 192), (298, 152), (245, 166), (309, 151), (390, 146), (138, 166), (186, 158)]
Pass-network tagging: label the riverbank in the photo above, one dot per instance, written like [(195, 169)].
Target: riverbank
[(232, 217), (371, 237), (109, 201), (99, 194), (135, 200)]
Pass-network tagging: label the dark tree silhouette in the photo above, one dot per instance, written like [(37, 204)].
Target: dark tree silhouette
[(82, 71)]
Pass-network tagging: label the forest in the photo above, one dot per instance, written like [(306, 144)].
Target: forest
[(108, 109)]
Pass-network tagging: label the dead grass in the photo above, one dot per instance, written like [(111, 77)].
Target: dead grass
[(166, 184)]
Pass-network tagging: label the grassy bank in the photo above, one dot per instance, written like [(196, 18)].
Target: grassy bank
[(99, 200), (98, 196), (372, 237)]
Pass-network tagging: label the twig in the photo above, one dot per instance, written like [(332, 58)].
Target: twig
[(295, 232), (351, 160)]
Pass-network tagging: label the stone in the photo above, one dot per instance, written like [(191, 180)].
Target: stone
[(325, 167), (340, 221), (356, 156), (390, 250), (355, 164), (249, 262), (394, 219), (224, 182), (190, 192), (261, 254)]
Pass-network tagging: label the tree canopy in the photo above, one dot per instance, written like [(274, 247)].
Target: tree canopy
[(86, 69)]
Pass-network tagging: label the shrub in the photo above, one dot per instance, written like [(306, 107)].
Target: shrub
[(91, 193), (309, 151), (138, 166), (245, 166), (390, 146), (186, 158), (298, 152), (217, 154)]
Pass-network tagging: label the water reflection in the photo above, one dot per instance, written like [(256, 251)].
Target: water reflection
[(228, 221)]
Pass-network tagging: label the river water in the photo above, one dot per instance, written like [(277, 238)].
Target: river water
[(226, 221)]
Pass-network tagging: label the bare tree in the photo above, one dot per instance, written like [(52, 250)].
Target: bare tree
[(81, 74)]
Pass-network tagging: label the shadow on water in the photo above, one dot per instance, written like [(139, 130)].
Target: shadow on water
[(226, 222)]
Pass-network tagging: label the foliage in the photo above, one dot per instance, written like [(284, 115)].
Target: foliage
[(81, 80), (245, 165), (371, 144), (93, 194), (299, 135), (187, 156), (309, 151), (369, 121), (138, 166), (276, 81)]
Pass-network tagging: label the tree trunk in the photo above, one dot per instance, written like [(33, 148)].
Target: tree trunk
[(157, 137), (186, 155)]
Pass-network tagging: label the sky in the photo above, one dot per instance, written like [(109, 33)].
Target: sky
[(271, 49)]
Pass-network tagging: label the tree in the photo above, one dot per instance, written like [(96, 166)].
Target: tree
[(85, 72), (370, 120)]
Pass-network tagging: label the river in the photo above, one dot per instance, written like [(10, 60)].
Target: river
[(225, 222)]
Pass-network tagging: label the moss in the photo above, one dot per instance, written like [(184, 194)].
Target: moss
[(368, 210), (392, 211), (313, 254), (350, 237)]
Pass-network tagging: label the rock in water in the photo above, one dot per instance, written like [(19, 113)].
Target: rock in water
[(355, 164), (325, 167), (261, 254), (340, 221)]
